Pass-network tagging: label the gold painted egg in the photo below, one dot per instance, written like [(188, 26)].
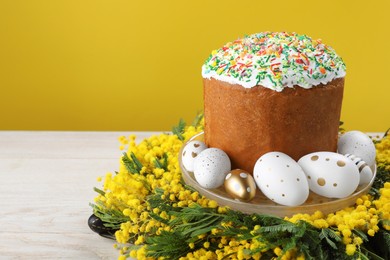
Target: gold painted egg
[(240, 185)]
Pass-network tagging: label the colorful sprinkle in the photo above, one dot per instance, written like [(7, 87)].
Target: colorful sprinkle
[(275, 60)]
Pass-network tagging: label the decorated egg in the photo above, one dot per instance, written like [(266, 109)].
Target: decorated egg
[(358, 144), (331, 175), (281, 179), (240, 185), (211, 167), (365, 171), (189, 153)]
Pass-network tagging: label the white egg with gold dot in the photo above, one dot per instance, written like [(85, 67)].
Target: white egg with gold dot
[(358, 144), (190, 151), (329, 174), (281, 179), (211, 167)]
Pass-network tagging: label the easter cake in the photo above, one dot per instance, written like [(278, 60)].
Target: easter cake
[(272, 91)]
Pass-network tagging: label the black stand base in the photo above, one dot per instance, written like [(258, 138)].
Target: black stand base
[(97, 226)]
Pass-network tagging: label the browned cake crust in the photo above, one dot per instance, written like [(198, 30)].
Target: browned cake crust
[(249, 122)]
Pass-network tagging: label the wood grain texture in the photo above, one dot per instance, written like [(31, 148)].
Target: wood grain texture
[(46, 184)]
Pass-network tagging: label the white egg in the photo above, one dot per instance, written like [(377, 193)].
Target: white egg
[(330, 174), (190, 152), (211, 167), (281, 179), (365, 171), (358, 144)]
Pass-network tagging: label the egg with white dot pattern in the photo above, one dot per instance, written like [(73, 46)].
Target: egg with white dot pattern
[(240, 185), (211, 167), (358, 144), (281, 179), (365, 171), (190, 152), (329, 174)]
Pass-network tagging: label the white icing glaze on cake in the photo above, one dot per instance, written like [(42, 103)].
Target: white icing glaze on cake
[(274, 60)]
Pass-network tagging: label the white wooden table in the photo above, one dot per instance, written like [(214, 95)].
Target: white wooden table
[(46, 184)]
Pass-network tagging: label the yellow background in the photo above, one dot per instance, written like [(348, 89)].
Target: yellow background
[(136, 65)]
